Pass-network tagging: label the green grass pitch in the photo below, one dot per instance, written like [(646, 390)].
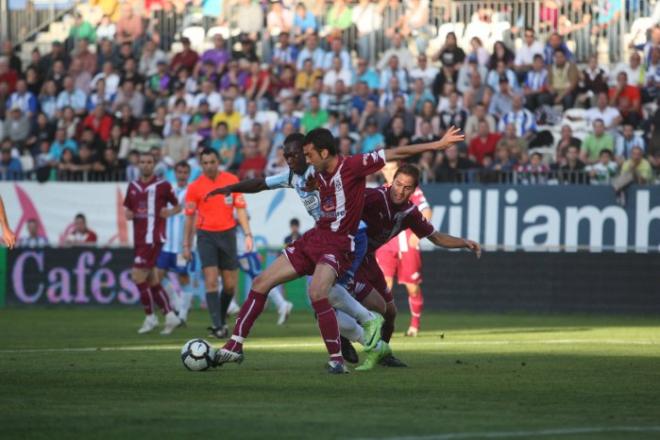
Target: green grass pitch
[(470, 376)]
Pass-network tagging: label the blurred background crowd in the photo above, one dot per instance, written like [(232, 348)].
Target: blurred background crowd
[(545, 91)]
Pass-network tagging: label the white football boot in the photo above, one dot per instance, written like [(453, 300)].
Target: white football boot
[(284, 312), (150, 323), (171, 322)]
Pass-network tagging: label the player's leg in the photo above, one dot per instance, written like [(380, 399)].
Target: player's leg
[(410, 274), (281, 304), (229, 283), (140, 277), (323, 279), (279, 272), (186, 295), (161, 298), (213, 306), (342, 300), (416, 304)]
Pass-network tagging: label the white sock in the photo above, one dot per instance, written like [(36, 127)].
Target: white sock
[(173, 294), (349, 327), (187, 295), (340, 299), (277, 297), (233, 302)]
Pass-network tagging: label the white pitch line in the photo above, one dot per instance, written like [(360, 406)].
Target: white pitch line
[(526, 434), (404, 346)]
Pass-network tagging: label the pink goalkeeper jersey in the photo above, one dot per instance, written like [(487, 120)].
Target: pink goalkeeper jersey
[(342, 192), (146, 200)]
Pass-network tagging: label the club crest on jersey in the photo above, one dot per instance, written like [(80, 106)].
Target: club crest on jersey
[(328, 204)]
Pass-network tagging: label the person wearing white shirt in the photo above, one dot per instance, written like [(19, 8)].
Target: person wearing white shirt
[(525, 54), (394, 71), (180, 93), (110, 77), (209, 95), (523, 119), (424, 71), (252, 116), (609, 115), (400, 50), (311, 51), (634, 69), (336, 73), (336, 50), (151, 56), (368, 20)]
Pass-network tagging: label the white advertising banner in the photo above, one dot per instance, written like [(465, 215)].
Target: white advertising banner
[(54, 206)]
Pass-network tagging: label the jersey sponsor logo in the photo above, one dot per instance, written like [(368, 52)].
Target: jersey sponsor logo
[(311, 202)]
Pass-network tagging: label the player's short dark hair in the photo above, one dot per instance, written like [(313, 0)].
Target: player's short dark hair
[(294, 222), (322, 139), (409, 170), (182, 164), (295, 141), (80, 216), (206, 151)]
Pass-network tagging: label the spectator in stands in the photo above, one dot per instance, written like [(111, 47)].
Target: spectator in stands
[(336, 73), (596, 142), (501, 71), (650, 90), (451, 167), (106, 29), (425, 134), (514, 143), (478, 55), (71, 97), (14, 60), (502, 101), (340, 100), (176, 146), (129, 95), (419, 95), (526, 54), (367, 17), (572, 171), (110, 78), (397, 135), (638, 167), (624, 90), (339, 16), (187, 58), (106, 53), (523, 119), (315, 116), (450, 54), (226, 144), (254, 162), (535, 86), (604, 170), (634, 70), (23, 99), (294, 229), (304, 21), (563, 80), (151, 56), (80, 234), (10, 167), (42, 130), (229, 116), (85, 57), (82, 30), (279, 19), (81, 78), (34, 238), (555, 43), (535, 171), (311, 51), (626, 142), (17, 125), (8, 77), (566, 140), (483, 144), (501, 53), (592, 81), (109, 167), (472, 124), (453, 115), (129, 25), (609, 115), (249, 18), (61, 144), (100, 122), (33, 80)]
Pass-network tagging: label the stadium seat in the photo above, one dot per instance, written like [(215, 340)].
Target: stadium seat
[(222, 30), (196, 35)]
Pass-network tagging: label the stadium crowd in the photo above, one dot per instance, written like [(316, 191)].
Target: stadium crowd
[(87, 108)]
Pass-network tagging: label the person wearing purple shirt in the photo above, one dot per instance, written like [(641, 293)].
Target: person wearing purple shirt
[(218, 55)]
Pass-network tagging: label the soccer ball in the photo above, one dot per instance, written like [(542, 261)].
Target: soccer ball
[(197, 355)]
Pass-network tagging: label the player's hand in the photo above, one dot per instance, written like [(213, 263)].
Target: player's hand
[(129, 214), (249, 243), (474, 247), (164, 213), (225, 191), (8, 237), (452, 136), (187, 254)]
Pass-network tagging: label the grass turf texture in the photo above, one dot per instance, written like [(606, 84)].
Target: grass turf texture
[(469, 373)]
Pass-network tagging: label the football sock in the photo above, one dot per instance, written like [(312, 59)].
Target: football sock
[(250, 311), (145, 298), (225, 300), (173, 294), (213, 304), (187, 295), (327, 322), (416, 304), (160, 298), (277, 297), (349, 327), (388, 328), (344, 301)]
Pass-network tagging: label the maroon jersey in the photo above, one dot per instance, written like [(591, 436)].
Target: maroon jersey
[(385, 220), (146, 200), (342, 192)]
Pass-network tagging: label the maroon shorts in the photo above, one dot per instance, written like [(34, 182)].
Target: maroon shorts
[(146, 255), (320, 246), (406, 264), (369, 277)]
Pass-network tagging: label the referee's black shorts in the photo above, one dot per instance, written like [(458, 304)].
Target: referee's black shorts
[(218, 249)]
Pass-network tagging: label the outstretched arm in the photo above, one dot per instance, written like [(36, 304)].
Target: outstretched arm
[(249, 186), (450, 242), (399, 153)]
